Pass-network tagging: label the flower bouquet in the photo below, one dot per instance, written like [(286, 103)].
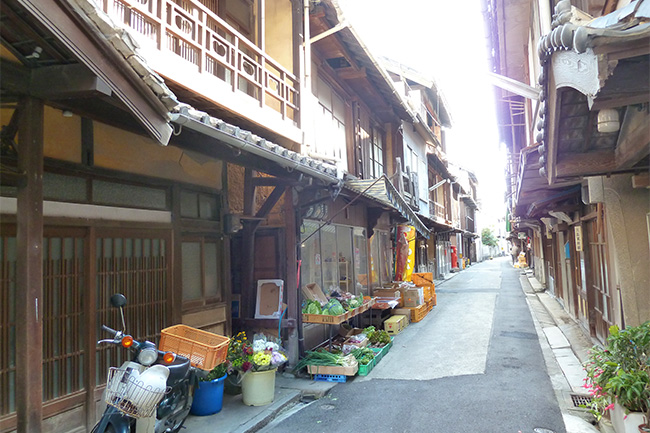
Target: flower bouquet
[(259, 354), (256, 361)]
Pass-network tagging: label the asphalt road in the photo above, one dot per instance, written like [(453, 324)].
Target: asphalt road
[(474, 364)]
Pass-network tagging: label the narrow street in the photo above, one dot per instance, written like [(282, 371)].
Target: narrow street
[(474, 364)]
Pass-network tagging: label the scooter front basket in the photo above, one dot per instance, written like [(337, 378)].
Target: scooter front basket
[(126, 392)]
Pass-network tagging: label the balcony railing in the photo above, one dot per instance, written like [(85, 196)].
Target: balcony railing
[(437, 210), (192, 31)]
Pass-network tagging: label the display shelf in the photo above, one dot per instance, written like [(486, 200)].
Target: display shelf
[(326, 319)]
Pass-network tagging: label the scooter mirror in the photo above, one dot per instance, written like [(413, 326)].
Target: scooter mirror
[(118, 300)]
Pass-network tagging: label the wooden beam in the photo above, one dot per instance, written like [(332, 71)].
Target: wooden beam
[(641, 180), (634, 138), (67, 81), (583, 164), (351, 73), (29, 270), (270, 202)]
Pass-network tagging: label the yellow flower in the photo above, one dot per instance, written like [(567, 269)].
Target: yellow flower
[(262, 359)]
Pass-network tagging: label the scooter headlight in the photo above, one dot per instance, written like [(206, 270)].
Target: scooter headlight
[(148, 356)]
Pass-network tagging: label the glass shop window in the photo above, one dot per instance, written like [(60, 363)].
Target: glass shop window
[(360, 251), (311, 264)]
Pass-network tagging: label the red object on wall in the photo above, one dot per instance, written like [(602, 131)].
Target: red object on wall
[(454, 257)]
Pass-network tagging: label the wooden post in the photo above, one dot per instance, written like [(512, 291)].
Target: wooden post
[(248, 249), (297, 36), (175, 295), (291, 286), (29, 270)]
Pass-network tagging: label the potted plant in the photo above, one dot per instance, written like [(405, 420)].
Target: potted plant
[(618, 377), (256, 362), (208, 395)]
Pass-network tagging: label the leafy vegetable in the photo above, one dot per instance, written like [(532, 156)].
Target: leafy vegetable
[(363, 355), (333, 308), (379, 338), (354, 303), (311, 307), (322, 357)]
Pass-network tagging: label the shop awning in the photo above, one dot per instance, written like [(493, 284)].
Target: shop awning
[(382, 191)]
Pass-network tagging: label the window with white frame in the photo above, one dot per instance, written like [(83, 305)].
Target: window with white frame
[(329, 125), (376, 153)]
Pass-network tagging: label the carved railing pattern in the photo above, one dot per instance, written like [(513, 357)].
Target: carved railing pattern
[(193, 31)]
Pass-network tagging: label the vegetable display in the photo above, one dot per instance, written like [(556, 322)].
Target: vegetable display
[(377, 338), (323, 358), (364, 355), (333, 308)]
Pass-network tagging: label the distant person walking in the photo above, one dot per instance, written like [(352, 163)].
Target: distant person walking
[(514, 252)]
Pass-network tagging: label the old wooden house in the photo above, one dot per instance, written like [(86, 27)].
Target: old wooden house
[(574, 114)]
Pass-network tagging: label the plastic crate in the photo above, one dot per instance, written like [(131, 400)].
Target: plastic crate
[(418, 313), (379, 353), (330, 378), (365, 369), (204, 349)]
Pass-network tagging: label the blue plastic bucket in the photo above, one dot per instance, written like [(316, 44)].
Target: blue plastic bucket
[(208, 397)]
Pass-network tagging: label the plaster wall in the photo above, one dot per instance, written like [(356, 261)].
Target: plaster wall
[(120, 150), (278, 32), (627, 211)]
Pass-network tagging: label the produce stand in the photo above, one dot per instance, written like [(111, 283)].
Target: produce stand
[(326, 319)]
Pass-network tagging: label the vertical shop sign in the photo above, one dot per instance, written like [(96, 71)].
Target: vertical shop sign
[(578, 234)]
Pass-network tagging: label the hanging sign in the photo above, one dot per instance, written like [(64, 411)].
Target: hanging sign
[(578, 232)]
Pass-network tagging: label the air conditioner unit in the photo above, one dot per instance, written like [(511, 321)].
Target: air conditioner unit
[(594, 190)]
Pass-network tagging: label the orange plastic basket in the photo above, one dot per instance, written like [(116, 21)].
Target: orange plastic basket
[(204, 349)]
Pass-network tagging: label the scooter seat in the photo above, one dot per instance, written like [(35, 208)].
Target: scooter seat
[(178, 370)]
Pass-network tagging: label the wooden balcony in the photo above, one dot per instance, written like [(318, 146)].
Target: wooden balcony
[(187, 43), (437, 211)]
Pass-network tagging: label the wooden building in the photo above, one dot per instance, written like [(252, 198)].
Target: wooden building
[(575, 117), (177, 152)]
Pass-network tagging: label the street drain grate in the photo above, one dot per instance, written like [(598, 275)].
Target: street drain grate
[(579, 400), (543, 430)]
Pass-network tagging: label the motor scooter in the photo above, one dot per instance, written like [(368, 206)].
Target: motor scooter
[(151, 393)]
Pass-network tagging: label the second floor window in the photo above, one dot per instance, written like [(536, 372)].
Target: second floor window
[(376, 153), (329, 122)]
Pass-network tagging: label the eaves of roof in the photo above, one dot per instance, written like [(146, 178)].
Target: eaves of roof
[(382, 191), (187, 116), (376, 73)]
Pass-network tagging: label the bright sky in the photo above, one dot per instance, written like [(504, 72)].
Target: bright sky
[(444, 39)]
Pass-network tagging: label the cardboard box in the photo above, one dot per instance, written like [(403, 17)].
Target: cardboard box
[(387, 293), (395, 324), (313, 292), (269, 299), (402, 311), (345, 371), (413, 297)]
